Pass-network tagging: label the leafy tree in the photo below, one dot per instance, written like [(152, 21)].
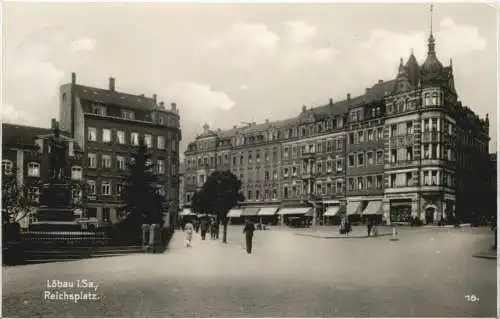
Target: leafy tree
[(142, 201), (220, 193), (16, 201)]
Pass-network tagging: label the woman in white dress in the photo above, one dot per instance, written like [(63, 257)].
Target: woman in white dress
[(189, 229)]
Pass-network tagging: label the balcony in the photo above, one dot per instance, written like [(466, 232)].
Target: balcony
[(307, 155), (401, 164), (310, 175)]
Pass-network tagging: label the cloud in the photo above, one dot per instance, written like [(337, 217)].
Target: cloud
[(37, 66), (244, 44), (300, 31), (378, 56), (199, 97), (11, 115), (83, 44)]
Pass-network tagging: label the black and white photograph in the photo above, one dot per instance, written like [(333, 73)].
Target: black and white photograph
[(249, 160)]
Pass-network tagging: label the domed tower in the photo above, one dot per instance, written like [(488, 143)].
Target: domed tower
[(432, 68)]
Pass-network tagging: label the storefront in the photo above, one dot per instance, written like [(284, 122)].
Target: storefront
[(354, 210), (267, 215), (400, 210), (250, 213), (296, 216), (373, 212)]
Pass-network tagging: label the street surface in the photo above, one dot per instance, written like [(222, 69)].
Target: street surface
[(427, 273)]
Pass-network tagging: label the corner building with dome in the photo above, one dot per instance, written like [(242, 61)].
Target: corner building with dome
[(406, 149)]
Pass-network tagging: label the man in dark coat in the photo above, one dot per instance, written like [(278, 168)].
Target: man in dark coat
[(248, 230), (203, 228)]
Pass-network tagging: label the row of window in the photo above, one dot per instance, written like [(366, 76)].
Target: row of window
[(429, 178), (120, 138), (319, 147), (368, 135), (121, 163), (364, 159), (106, 188), (34, 169), (365, 183), (102, 110)]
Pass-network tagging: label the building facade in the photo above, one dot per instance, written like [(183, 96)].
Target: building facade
[(25, 152), (405, 149), (108, 125)]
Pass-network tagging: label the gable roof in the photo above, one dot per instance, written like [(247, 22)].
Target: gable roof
[(21, 135), (24, 136), (136, 102)]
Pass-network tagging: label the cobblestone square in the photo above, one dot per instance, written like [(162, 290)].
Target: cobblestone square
[(428, 272)]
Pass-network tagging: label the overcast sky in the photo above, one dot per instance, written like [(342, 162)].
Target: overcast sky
[(226, 63)]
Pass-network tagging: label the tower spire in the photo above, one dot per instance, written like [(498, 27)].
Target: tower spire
[(432, 43), (432, 7)]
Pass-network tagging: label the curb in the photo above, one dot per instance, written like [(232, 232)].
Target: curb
[(486, 255), (342, 237)]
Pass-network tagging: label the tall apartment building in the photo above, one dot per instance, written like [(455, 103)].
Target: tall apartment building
[(108, 125), (25, 149), (406, 148)]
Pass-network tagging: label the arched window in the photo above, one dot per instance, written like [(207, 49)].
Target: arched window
[(435, 98), (285, 192), (427, 99), (7, 166), (33, 169)]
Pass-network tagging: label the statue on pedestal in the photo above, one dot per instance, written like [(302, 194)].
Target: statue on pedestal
[(58, 152)]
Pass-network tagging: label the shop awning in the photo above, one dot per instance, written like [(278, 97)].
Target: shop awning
[(332, 211), (374, 207), (250, 211), (267, 211), (186, 212), (234, 213), (353, 208), (295, 211)]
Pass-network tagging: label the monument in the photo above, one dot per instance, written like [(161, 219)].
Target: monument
[(56, 212)]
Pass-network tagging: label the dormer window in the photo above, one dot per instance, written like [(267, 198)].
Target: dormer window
[(427, 99), (129, 115), (76, 173), (99, 109), (161, 120)]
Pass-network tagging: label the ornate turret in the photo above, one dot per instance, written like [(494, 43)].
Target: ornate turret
[(402, 83), (431, 66), (413, 70)]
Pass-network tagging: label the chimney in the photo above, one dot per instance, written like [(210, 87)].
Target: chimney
[(367, 90), (380, 81), (234, 127), (162, 104), (267, 121), (154, 98), (173, 106), (304, 108), (53, 124), (349, 97), (331, 101), (73, 78), (112, 84)]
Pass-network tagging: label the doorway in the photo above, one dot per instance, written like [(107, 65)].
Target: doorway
[(429, 215)]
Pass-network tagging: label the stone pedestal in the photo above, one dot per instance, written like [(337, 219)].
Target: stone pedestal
[(55, 212)]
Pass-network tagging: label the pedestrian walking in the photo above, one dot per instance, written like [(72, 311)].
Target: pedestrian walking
[(248, 231), (203, 228), (213, 229), (369, 225), (189, 229)]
